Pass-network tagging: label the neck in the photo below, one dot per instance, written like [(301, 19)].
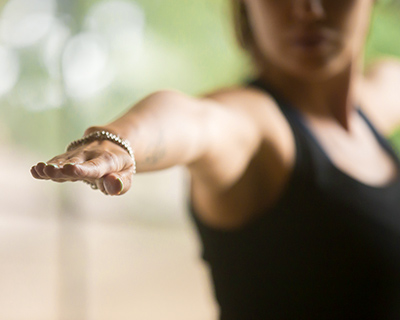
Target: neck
[(332, 97)]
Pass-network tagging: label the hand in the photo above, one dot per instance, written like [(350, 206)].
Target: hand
[(102, 163)]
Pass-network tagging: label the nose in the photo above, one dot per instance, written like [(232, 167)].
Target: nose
[(308, 10)]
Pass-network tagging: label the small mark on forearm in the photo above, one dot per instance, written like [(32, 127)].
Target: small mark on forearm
[(156, 152)]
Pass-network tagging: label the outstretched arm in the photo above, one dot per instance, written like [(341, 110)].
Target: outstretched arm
[(165, 129)]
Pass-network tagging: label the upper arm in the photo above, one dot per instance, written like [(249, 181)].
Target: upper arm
[(241, 123), (383, 79), (232, 137), (252, 151)]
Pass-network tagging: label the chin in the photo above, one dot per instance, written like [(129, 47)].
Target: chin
[(316, 70), (312, 74)]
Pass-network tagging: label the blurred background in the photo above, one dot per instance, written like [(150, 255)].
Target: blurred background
[(67, 252)]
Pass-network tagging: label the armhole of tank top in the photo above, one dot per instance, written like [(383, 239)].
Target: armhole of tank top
[(287, 189), (298, 162), (288, 186), (299, 153)]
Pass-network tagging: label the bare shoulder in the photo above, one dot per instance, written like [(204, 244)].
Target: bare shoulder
[(382, 94), (256, 104), (264, 114), (259, 113), (385, 69)]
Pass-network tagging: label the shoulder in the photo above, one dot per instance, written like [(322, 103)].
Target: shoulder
[(384, 69), (258, 111), (256, 104), (264, 114), (254, 152), (381, 93)]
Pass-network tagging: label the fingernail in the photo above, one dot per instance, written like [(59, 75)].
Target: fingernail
[(122, 186), (53, 165)]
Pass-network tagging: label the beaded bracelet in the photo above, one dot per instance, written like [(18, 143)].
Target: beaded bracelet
[(100, 136)]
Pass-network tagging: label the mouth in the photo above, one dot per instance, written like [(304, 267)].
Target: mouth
[(310, 41)]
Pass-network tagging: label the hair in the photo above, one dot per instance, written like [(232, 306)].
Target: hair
[(244, 34), (243, 31)]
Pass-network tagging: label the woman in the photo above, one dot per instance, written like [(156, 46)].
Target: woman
[(294, 192)]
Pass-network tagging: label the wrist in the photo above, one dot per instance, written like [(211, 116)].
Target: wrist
[(109, 128), (92, 129), (96, 134)]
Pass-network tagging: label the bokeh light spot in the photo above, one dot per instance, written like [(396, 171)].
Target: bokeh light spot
[(25, 22)]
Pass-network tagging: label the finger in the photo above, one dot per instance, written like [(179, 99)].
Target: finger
[(39, 169), (72, 161), (44, 171), (75, 171), (98, 167), (118, 183), (53, 171), (34, 173), (59, 160), (60, 180), (100, 185)]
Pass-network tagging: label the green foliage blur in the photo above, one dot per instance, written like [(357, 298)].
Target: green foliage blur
[(384, 38), (188, 45)]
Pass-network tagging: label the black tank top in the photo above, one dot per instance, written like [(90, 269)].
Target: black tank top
[(328, 249)]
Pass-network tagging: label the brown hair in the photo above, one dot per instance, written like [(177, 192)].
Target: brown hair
[(243, 31)]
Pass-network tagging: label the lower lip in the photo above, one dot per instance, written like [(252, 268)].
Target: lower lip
[(311, 45)]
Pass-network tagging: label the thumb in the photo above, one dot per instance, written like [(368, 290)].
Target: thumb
[(118, 183)]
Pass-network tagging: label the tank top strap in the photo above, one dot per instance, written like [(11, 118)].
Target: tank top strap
[(295, 117), (291, 114), (382, 140), (308, 155), (314, 160)]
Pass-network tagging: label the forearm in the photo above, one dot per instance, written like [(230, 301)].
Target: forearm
[(164, 129)]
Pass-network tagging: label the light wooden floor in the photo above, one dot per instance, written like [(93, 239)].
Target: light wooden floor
[(69, 253)]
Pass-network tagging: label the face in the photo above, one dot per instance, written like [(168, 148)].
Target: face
[(309, 38)]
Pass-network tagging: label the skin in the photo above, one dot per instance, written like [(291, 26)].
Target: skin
[(236, 144)]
